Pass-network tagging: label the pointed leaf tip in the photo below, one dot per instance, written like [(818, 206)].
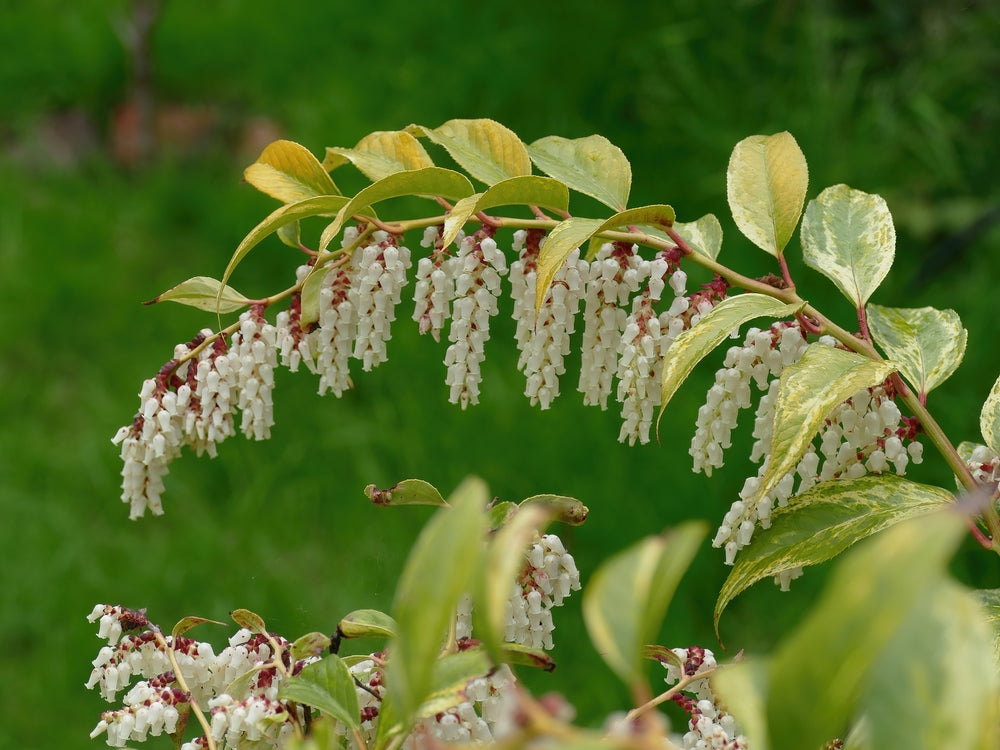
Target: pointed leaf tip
[(289, 172)]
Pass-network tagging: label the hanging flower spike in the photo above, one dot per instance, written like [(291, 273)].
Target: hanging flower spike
[(435, 285), (381, 275)]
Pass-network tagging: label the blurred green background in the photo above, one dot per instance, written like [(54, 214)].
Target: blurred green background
[(121, 153)]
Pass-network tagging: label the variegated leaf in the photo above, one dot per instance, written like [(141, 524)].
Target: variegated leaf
[(928, 344)]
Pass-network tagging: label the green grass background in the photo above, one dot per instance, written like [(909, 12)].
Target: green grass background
[(898, 98)]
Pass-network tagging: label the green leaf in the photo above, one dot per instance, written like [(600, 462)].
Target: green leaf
[(989, 418), (703, 236), (848, 236), (627, 597), (328, 686), (499, 513), (367, 623), (824, 521), (309, 297), (390, 724), (289, 172), (186, 623), (573, 232), (407, 492), (989, 599), (503, 561), (692, 345), (808, 392), (430, 181), (452, 675), (935, 683), (663, 655), (437, 572), (743, 689), (817, 673), (928, 344), (593, 166), (517, 653), (290, 235), (527, 190), (249, 620), (766, 187), (310, 644), (324, 205), (564, 509), (381, 154), (484, 148), (205, 293)]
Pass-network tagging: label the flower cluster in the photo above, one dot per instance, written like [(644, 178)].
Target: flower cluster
[(154, 704), (710, 726)]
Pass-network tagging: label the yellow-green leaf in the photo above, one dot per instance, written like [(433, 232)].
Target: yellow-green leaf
[(528, 190), (766, 185), (289, 172), (406, 492), (430, 182), (564, 509), (327, 685), (848, 236), (743, 689), (824, 521), (989, 599), (703, 236), (593, 166), (928, 344), (807, 393), (628, 595), (205, 293), (249, 620), (818, 671), (452, 675), (309, 298), (381, 154), (573, 232), (186, 623), (692, 345), (309, 645), (989, 418), (367, 623), (484, 148)]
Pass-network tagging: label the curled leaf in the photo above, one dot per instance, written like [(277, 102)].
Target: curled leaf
[(289, 172), (205, 293), (593, 166)]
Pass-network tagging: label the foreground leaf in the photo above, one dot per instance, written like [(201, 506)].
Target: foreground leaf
[(824, 521), (989, 418), (289, 172), (928, 344), (205, 293), (437, 572), (743, 689), (692, 345), (593, 166), (848, 236), (766, 186), (452, 675), (484, 148), (328, 686), (817, 673), (989, 600), (809, 390), (381, 154), (627, 597)]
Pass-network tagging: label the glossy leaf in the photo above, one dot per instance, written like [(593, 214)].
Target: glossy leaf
[(808, 391), (437, 572), (503, 562), (818, 671), (928, 344), (289, 172), (935, 683), (367, 623), (593, 166), (328, 686), (693, 344), (452, 675), (309, 645), (407, 492), (527, 190), (742, 688), (703, 236), (186, 623), (564, 509), (381, 154), (484, 148), (324, 205), (989, 418), (205, 293), (575, 231), (848, 236), (627, 597), (249, 620), (431, 181), (766, 186), (824, 521)]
